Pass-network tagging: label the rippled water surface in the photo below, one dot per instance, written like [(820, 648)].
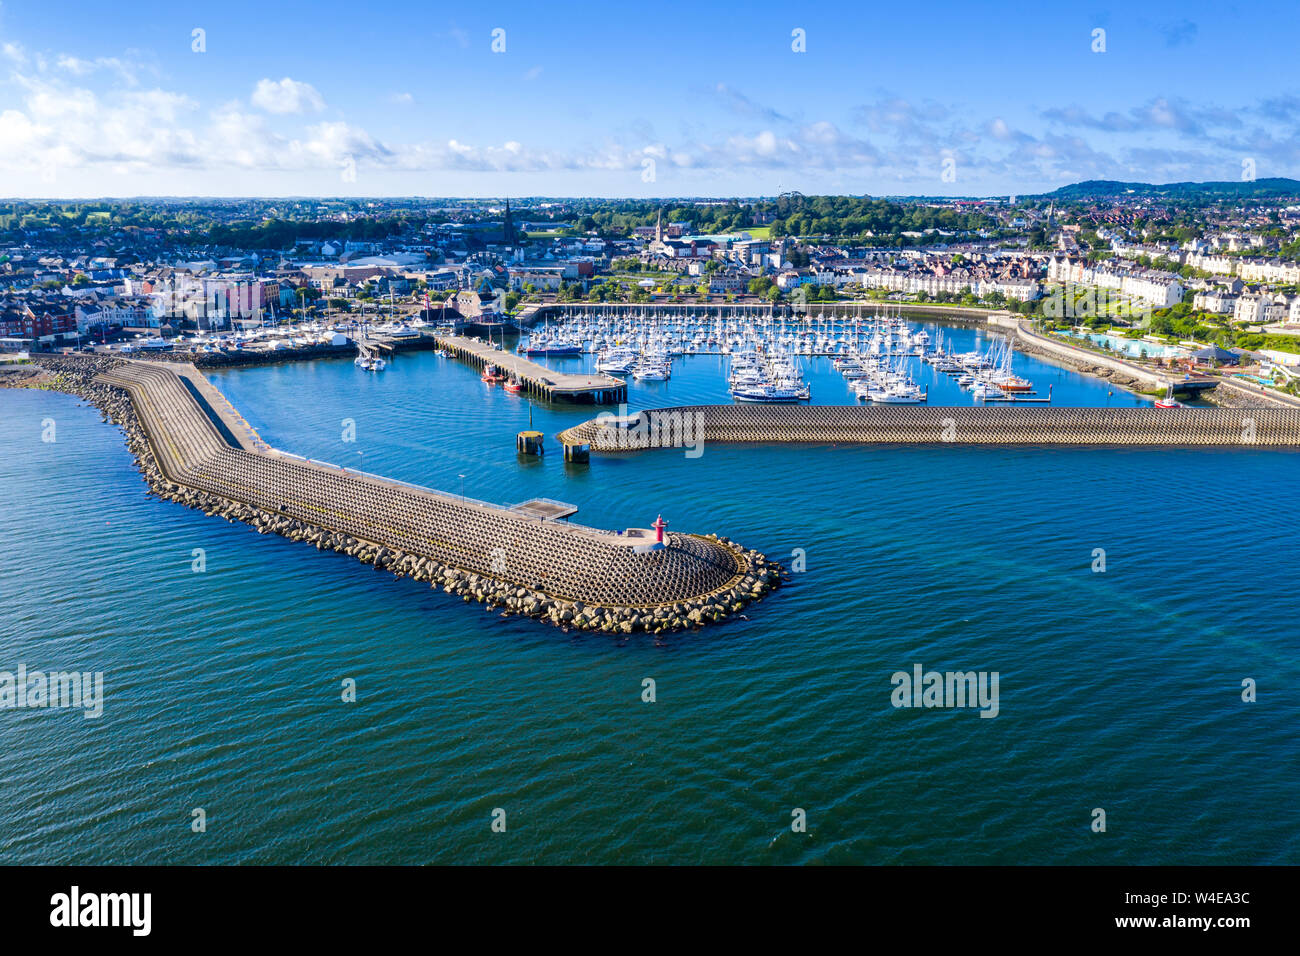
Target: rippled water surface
[(1119, 690)]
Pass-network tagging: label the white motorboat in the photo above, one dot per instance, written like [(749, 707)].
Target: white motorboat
[(650, 372), (904, 393), (765, 394), (617, 360)]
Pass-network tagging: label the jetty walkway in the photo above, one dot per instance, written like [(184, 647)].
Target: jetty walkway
[(200, 444), (591, 387), (931, 424)]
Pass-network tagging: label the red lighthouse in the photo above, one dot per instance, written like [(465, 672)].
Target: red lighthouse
[(659, 526)]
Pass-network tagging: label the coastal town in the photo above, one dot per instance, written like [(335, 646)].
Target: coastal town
[(539, 436), (1208, 279)]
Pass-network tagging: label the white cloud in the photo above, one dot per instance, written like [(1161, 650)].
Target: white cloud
[(287, 96), (18, 134), (331, 143), (79, 67), (73, 114)]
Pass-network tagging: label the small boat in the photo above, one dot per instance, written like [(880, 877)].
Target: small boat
[(492, 375), (650, 373), (1169, 401), (1014, 383), (617, 360), (765, 394), (896, 395), (514, 386)]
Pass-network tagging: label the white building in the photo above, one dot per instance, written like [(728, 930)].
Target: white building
[(1251, 309), (1215, 300), (1269, 270), (1161, 289)]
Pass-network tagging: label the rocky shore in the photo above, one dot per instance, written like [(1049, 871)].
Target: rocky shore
[(1081, 364), (1226, 395), (756, 577), (23, 376), (244, 357), (236, 358)]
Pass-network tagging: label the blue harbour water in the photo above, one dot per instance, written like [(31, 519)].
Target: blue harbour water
[(1119, 690)]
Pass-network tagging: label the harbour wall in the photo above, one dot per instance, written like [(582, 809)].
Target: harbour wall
[(568, 574), (688, 426)]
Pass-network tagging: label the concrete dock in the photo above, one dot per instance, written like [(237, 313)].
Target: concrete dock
[(538, 380)]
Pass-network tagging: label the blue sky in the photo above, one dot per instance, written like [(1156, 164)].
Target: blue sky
[(632, 99)]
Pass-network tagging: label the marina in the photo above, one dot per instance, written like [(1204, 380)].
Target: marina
[(879, 353), (903, 360)]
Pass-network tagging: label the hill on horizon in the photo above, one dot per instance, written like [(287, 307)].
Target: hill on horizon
[(1247, 189)]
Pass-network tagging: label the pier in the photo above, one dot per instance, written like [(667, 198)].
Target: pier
[(539, 381), (199, 443), (688, 425)]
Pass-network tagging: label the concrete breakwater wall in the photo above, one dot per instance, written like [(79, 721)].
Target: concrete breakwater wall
[(567, 574), (688, 426)]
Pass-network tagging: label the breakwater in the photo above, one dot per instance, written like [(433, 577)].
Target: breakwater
[(190, 451), (693, 425)]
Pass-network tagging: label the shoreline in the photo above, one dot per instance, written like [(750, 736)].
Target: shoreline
[(1130, 376)]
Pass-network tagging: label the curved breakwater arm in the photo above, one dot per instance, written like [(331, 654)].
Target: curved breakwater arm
[(193, 452)]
